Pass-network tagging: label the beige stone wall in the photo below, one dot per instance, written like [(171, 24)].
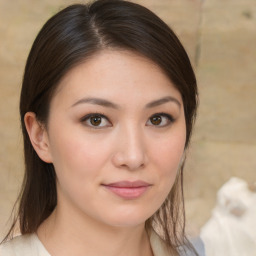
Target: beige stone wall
[(220, 37)]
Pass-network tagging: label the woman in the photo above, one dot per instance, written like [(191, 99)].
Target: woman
[(107, 107)]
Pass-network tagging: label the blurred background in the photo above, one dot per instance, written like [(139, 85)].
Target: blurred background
[(220, 38)]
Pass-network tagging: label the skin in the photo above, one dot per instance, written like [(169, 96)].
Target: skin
[(126, 144)]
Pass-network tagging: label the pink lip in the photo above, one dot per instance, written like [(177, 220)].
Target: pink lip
[(128, 189)]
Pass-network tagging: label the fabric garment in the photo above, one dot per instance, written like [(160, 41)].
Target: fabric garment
[(30, 245), (231, 229)]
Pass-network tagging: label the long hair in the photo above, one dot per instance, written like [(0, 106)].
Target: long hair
[(69, 38)]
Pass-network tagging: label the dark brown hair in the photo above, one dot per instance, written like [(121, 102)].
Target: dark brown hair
[(69, 38)]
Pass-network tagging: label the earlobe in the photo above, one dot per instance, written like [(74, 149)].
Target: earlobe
[(38, 137)]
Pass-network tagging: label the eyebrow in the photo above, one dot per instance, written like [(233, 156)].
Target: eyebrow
[(109, 104), (97, 101), (161, 101)]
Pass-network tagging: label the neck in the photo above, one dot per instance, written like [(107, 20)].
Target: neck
[(67, 234)]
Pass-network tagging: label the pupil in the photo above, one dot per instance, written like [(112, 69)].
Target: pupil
[(95, 120), (156, 120)]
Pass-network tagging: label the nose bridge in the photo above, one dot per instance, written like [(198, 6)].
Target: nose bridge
[(134, 140), (131, 151)]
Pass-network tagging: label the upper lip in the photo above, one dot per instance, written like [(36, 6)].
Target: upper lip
[(128, 184)]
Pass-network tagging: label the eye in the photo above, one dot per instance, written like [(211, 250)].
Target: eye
[(96, 120), (160, 120)]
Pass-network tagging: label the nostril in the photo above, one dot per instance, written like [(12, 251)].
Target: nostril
[(130, 151), (129, 160)]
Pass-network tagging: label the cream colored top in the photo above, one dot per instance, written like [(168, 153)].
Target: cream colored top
[(30, 245)]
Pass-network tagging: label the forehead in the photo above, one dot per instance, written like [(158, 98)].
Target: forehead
[(121, 75)]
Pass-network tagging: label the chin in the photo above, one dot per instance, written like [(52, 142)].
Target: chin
[(128, 219)]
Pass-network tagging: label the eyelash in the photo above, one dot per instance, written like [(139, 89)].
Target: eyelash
[(161, 114), (86, 118)]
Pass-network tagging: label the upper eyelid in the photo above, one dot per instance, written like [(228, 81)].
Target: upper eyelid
[(87, 116), (94, 114), (170, 120), (163, 114), (103, 115)]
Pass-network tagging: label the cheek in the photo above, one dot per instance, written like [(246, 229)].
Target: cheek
[(167, 157), (78, 158), (75, 147), (78, 163), (168, 152)]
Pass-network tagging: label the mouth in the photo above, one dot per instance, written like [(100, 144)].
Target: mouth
[(128, 189)]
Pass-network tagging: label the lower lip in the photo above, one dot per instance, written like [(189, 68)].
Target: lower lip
[(128, 193)]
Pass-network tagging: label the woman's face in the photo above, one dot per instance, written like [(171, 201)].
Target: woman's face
[(116, 136)]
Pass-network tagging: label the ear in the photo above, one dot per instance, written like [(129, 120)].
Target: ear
[(38, 137)]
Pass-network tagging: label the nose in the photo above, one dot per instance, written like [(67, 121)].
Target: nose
[(130, 150)]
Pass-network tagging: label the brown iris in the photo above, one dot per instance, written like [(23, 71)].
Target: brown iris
[(95, 120), (156, 120)]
